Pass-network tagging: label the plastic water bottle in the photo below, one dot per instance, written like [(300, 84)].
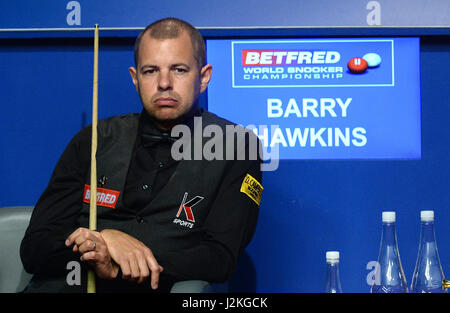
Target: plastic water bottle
[(333, 284), (428, 275), (389, 275)]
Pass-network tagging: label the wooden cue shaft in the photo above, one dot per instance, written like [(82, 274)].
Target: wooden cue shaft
[(93, 198)]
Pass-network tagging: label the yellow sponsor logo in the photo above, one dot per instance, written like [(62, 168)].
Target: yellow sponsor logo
[(252, 188)]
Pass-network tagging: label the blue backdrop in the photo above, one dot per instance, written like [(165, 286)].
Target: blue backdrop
[(233, 13)]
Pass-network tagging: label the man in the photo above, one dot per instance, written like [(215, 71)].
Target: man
[(160, 220)]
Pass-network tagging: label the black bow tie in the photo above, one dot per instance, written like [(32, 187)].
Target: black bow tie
[(152, 139)]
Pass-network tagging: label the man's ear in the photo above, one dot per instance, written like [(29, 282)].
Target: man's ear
[(205, 76), (133, 74)]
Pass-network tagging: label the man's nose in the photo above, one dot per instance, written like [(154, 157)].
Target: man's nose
[(165, 80)]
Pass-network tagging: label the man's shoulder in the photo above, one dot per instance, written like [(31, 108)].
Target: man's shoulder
[(118, 122), (210, 118), (243, 142), (126, 119)]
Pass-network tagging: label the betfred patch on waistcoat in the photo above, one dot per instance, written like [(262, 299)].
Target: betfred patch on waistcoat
[(105, 197), (252, 188)]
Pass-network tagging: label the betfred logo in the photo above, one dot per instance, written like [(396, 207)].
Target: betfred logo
[(306, 63), (288, 57), (105, 197)]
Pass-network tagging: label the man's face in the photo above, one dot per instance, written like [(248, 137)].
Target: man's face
[(168, 79)]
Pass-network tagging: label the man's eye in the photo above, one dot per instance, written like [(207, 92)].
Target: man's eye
[(148, 71), (180, 70)]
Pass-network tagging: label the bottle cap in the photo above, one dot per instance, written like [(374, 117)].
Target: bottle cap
[(427, 216), (388, 216), (332, 256)]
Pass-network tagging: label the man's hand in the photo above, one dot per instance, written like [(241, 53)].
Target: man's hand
[(93, 249), (134, 258)]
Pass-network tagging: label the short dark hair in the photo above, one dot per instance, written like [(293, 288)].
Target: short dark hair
[(172, 28)]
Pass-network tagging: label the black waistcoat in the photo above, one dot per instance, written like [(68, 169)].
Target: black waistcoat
[(164, 224)]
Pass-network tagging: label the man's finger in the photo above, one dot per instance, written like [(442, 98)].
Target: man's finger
[(85, 235), (72, 236), (86, 246), (135, 271), (143, 268), (89, 256), (154, 267), (126, 271), (155, 278), (151, 260)]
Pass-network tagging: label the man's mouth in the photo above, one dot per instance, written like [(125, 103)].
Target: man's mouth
[(166, 101)]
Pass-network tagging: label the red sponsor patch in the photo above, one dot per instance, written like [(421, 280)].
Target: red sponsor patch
[(105, 197)]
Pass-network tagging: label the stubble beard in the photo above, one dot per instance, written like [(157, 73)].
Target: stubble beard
[(168, 123)]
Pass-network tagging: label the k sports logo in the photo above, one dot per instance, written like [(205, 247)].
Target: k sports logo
[(186, 206), (288, 57)]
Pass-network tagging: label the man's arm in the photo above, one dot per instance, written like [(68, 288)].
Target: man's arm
[(135, 259), (54, 217), (228, 229)]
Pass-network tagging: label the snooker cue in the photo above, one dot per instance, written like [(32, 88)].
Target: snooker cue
[(93, 198)]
